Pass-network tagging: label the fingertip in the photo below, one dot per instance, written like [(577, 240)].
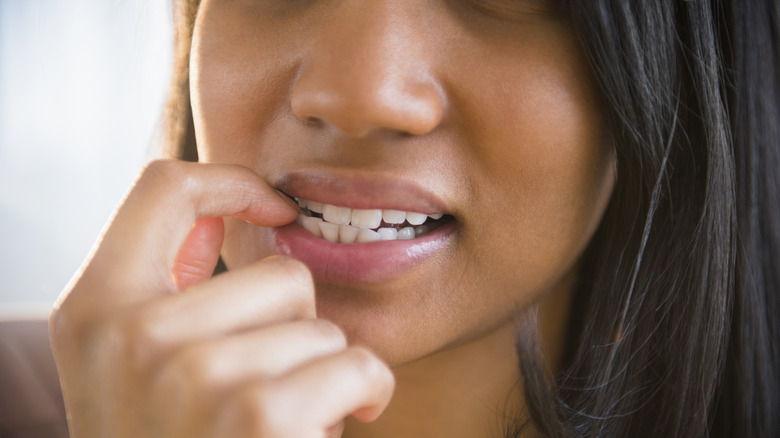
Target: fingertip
[(271, 213), (291, 202), (384, 381), (368, 415)]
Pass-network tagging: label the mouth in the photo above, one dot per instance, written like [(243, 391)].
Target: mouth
[(362, 227), (345, 225)]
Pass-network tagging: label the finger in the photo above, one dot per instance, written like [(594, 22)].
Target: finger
[(335, 431), (140, 245), (274, 290), (355, 381), (199, 253), (215, 366), (311, 399)]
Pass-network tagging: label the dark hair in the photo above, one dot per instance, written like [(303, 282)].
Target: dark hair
[(674, 330)]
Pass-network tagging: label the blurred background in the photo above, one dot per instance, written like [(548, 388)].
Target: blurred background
[(82, 90)]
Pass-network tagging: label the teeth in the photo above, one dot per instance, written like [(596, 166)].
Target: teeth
[(337, 215), (312, 224), (345, 225), (393, 216), (348, 234), (415, 218), (315, 206), (406, 233), (330, 231), (367, 236), (387, 233), (366, 218)]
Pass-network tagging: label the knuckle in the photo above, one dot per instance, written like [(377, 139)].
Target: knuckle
[(368, 366), (293, 269), (76, 330), (194, 364), (164, 173), (257, 411), (132, 337), (329, 332), (300, 283), (191, 370), (61, 334), (67, 322), (60, 326), (161, 168)]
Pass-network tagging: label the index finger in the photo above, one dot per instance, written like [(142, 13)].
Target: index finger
[(137, 251)]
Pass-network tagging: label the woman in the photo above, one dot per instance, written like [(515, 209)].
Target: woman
[(589, 182)]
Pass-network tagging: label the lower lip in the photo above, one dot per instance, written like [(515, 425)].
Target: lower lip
[(358, 263)]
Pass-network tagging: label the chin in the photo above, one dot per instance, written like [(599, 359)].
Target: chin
[(373, 317)]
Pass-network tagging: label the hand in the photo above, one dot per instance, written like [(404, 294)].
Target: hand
[(148, 345)]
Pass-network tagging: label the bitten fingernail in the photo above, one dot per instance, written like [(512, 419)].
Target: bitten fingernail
[(287, 199)]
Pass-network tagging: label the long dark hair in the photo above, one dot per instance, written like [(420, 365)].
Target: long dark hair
[(675, 330)]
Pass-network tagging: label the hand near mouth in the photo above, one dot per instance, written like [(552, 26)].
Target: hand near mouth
[(149, 345)]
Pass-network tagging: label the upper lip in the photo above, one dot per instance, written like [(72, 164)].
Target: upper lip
[(360, 190)]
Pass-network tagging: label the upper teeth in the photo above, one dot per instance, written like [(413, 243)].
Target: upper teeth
[(346, 225)]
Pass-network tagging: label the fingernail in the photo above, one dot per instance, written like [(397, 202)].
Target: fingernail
[(287, 199)]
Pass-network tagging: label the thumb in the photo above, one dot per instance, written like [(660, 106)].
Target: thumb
[(199, 253)]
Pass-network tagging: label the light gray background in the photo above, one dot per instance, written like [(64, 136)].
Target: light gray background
[(82, 88)]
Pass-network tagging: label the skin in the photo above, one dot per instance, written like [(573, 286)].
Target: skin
[(490, 103)]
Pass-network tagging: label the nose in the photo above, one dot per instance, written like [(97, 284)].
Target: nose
[(367, 71)]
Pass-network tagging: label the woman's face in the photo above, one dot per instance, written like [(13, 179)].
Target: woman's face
[(483, 111)]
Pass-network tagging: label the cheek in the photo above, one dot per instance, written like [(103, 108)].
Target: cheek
[(544, 173), (235, 93)]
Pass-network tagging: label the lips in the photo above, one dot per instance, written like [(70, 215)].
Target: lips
[(361, 228)]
